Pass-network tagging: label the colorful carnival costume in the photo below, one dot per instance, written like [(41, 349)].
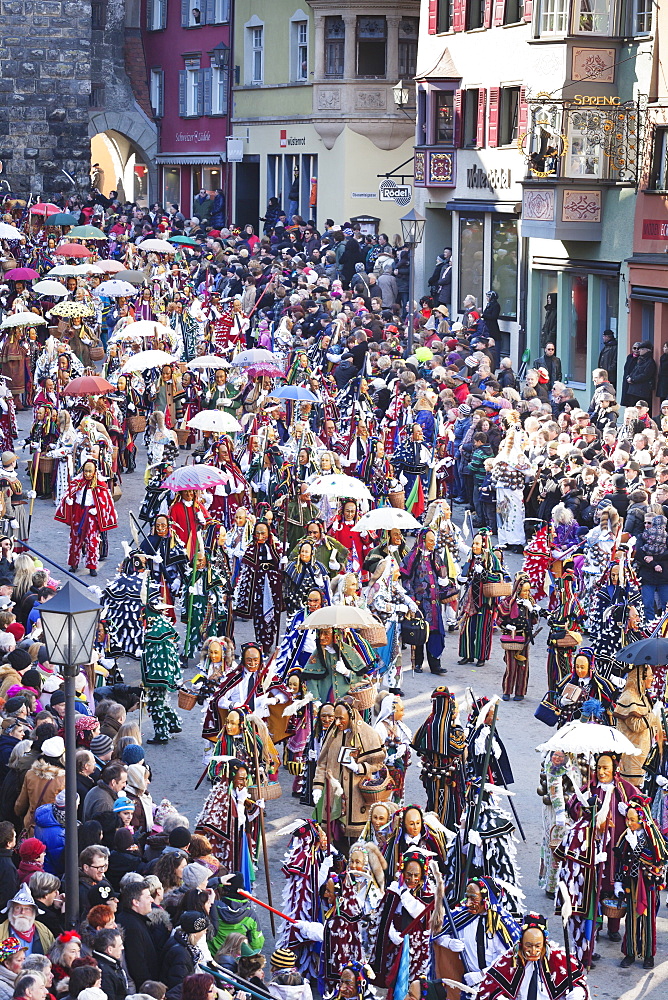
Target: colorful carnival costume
[(88, 510)]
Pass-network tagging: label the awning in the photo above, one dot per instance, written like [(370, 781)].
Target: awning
[(185, 159), (505, 207)]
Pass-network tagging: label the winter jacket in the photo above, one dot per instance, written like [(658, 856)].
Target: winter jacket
[(84, 785), (388, 289), (607, 360), (654, 572), (114, 981), (634, 522), (99, 800), (122, 862), (52, 835), (9, 879), (643, 379), (236, 916), (40, 787), (42, 941), (8, 677), (7, 744), (141, 956), (7, 980), (177, 961)]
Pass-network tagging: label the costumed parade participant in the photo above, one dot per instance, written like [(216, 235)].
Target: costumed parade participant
[(87, 508), (534, 966)]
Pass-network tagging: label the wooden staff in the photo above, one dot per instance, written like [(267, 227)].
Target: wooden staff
[(35, 473), (265, 852), (190, 598)]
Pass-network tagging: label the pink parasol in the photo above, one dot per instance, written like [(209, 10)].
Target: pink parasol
[(72, 250), (43, 208), (22, 274), (270, 371), (195, 477)]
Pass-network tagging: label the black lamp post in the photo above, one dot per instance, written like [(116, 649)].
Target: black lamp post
[(69, 624), (412, 230)]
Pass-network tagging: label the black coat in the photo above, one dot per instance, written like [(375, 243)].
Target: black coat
[(9, 879), (177, 962), (114, 981), (490, 315), (662, 383), (607, 359), (141, 956), (643, 379), (352, 255), (122, 862)]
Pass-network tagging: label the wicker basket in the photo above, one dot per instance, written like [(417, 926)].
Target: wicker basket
[(182, 435), (512, 645), (397, 499), (502, 588), (375, 635), (569, 641), (46, 464), (377, 788), (137, 423), (187, 699), (270, 790), (612, 909), (363, 694), (97, 353)]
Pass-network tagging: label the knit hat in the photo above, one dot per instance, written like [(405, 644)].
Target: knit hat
[(31, 848), (101, 744), (123, 839), (179, 837), (283, 958), (60, 800), (19, 659), (17, 630), (57, 698), (9, 947), (132, 754), (192, 921), (101, 892), (14, 704), (464, 410), (55, 747), (123, 804), (42, 654), (194, 875), (137, 778)]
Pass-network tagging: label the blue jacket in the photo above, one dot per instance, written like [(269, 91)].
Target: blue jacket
[(52, 834), (460, 427)]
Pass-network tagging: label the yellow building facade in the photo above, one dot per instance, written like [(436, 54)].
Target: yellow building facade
[(314, 105)]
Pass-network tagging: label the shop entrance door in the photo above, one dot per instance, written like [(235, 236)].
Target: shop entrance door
[(247, 201)]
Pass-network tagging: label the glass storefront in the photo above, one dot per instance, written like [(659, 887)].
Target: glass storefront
[(471, 258), (504, 265), (576, 339), (171, 185)]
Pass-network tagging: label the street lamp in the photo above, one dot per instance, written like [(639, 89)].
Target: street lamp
[(412, 230), (400, 94), (69, 626)]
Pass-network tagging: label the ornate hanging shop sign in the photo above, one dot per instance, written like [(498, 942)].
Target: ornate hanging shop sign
[(587, 136)]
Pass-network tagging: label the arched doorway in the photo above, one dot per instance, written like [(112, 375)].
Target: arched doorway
[(117, 165)]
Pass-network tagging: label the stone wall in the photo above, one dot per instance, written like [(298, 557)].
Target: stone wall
[(45, 51)]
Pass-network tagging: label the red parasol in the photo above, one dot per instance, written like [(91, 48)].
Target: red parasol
[(88, 385), (22, 274), (44, 208), (72, 250)]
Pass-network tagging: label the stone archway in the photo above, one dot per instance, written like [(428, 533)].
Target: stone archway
[(123, 142)]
